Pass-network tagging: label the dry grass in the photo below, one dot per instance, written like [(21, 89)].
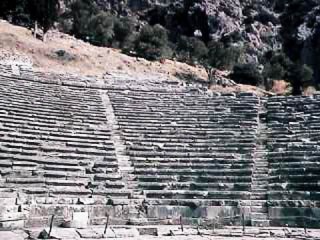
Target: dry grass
[(280, 87), (86, 59)]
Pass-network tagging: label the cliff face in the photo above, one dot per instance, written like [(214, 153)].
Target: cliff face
[(301, 34), (250, 23), (257, 26)]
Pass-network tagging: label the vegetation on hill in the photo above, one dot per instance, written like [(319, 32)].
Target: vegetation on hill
[(241, 38)]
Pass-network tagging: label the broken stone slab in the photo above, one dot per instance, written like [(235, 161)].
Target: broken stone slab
[(185, 232), (12, 216), (109, 233), (10, 225), (89, 233), (126, 232), (251, 232), (138, 221), (79, 220), (61, 233), (6, 235), (151, 231)]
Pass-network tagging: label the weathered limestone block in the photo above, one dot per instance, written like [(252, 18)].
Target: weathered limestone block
[(6, 235), (294, 216), (78, 220), (168, 212), (126, 232), (10, 225)]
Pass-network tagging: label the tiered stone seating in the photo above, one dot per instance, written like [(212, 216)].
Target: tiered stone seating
[(189, 145), (294, 155), (64, 149), (54, 140)]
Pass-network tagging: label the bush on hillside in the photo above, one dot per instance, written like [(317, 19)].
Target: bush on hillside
[(123, 31), (191, 49), (299, 75), (247, 74), (45, 12), (81, 12), (101, 29), (152, 43), (223, 57), (16, 11)]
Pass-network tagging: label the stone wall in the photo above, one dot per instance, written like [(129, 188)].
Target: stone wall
[(202, 156)]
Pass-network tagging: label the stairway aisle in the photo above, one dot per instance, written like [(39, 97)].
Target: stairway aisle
[(259, 186), (126, 168)]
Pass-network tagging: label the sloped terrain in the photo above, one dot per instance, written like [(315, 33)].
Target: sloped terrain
[(65, 54)]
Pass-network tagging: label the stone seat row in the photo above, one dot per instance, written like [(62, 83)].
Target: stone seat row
[(184, 194), (192, 141), (173, 131), (294, 195), (216, 158), (195, 186), (203, 178), (68, 191), (186, 154), (191, 164), (177, 146), (195, 172), (209, 147)]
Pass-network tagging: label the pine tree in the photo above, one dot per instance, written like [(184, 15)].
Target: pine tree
[(44, 13)]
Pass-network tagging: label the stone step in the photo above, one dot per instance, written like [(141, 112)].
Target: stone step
[(259, 209), (259, 172), (5, 209), (12, 225), (260, 223), (12, 216), (259, 203), (259, 189), (261, 175), (259, 216), (262, 165), (260, 178), (255, 197)]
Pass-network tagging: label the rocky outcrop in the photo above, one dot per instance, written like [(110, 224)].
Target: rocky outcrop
[(244, 23)]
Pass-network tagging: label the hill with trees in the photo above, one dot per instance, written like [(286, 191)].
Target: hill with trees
[(257, 41)]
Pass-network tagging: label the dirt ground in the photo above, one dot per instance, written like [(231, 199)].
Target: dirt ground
[(128, 233), (62, 53)]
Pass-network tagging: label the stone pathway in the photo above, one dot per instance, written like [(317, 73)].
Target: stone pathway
[(163, 232)]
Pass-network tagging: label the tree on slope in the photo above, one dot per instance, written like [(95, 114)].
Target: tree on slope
[(152, 43), (44, 13)]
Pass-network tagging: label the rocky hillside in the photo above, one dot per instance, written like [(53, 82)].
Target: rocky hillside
[(258, 42), (258, 26), (253, 23)]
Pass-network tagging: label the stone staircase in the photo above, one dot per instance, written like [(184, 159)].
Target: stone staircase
[(125, 166), (259, 209)]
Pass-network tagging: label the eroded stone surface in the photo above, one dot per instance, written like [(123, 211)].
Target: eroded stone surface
[(175, 152)]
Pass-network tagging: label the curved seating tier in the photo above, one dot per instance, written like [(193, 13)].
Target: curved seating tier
[(189, 145), (55, 141), (193, 153), (294, 148), (294, 157)]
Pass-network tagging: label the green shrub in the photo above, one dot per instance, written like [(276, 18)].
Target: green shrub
[(299, 75), (82, 11), (223, 57), (123, 31), (152, 43), (101, 29), (247, 74), (191, 49)]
